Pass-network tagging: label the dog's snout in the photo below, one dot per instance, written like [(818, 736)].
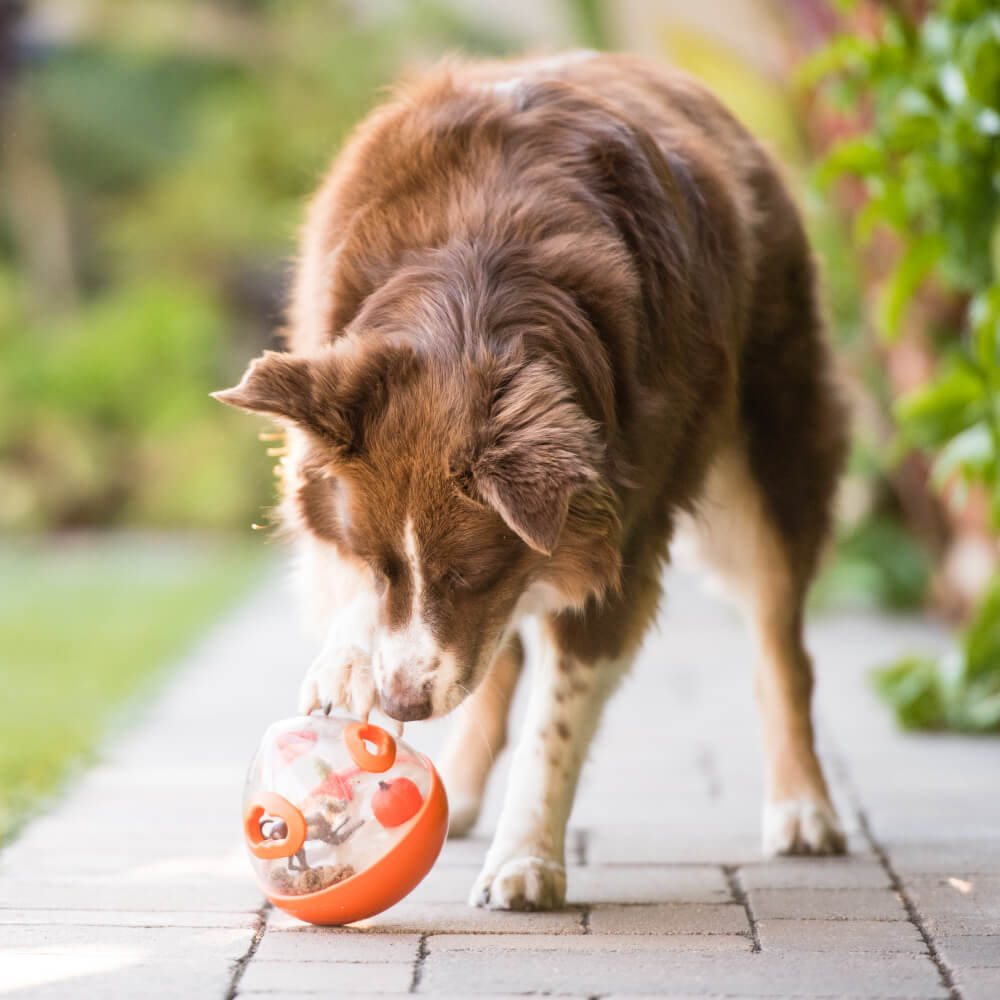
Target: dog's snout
[(406, 700)]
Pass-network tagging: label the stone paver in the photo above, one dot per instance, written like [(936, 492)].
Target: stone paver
[(960, 858), (816, 873), (327, 977), (126, 918), (331, 944), (971, 951), (826, 904), (163, 894), (669, 918), (668, 892), (647, 884), (979, 984), (835, 936), (488, 944), (667, 972), (431, 918), (366, 995), (75, 961), (56, 939)]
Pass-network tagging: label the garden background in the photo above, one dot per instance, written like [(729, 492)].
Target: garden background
[(154, 158)]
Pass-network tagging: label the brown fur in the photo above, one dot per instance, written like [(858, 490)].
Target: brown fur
[(614, 237)]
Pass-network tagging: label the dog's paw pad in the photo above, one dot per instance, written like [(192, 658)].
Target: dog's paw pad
[(521, 884), (802, 826)]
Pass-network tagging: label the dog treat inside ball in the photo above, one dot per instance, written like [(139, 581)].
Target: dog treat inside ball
[(341, 820)]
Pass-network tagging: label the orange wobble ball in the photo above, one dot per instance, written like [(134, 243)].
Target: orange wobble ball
[(340, 819)]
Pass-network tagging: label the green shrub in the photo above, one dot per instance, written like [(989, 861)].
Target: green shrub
[(930, 163), (108, 419), (960, 690), (170, 170)]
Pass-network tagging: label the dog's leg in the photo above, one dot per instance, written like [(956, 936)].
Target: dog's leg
[(341, 595), (477, 737), (737, 538), (798, 817), (576, 666)]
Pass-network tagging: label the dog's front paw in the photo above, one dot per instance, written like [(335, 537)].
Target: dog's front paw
[(521, 884), (802, 826), (339, 677)]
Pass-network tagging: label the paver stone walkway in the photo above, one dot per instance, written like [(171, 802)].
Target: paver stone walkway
[(135, 885)]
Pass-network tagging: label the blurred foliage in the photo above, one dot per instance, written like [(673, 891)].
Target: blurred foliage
[(876, 561), (960, 690), (930, 163), (112, 421), (591, 22), (156, 163), (757, 99)]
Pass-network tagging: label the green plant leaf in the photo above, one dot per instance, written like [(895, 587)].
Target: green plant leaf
[(951, 80), (911, 687), (909, 273), (929, 154), (847, 53), (988, 122), (982, 636), (860, 156), (945, 406), (969, 454)]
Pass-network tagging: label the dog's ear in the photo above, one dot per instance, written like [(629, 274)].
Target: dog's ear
[(538, 449), (333, 394), (275, 384)]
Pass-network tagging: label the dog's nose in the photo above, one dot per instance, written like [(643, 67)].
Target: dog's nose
[(404, 700)]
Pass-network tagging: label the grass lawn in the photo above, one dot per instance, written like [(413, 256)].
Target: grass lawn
[(86, 623)]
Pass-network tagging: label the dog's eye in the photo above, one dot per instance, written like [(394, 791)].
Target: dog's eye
[(472, 580), (387, 572)]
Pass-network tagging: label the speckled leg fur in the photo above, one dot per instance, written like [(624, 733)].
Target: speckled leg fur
[(525, 867)]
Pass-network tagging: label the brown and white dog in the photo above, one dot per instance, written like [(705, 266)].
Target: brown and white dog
[(548, 313)]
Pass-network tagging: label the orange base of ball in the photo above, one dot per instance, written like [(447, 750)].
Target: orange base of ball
[(384, 883)]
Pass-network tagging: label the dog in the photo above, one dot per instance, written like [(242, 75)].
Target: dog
[(550, 315)]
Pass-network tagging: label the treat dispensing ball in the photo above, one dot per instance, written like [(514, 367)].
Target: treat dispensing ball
[(341, 819)]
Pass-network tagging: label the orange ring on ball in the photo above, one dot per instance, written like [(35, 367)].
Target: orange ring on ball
[(355, 737), (274, 805)]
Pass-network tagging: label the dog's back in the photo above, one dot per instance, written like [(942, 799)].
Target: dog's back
[(631, 186)]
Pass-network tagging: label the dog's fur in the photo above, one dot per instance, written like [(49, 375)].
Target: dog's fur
[(548, 312)]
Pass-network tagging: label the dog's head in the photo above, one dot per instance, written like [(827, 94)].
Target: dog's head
[(467, 487)]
